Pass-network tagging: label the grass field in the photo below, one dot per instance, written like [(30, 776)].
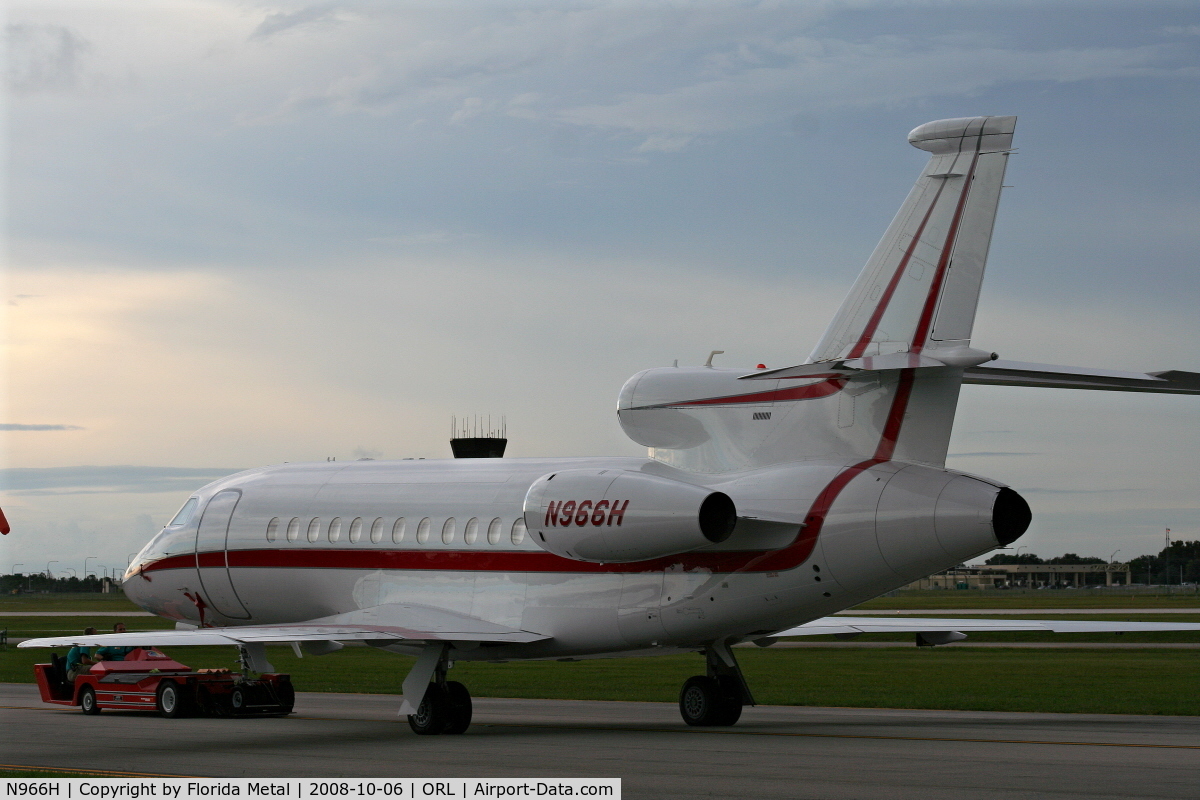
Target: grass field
[(993, 679), (1133, 597), (1001, 679), (66, 602)]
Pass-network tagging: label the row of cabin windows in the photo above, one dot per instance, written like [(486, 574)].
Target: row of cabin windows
[(354, 532)]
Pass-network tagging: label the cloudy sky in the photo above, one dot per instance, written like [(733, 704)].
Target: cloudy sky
[(242, 233)]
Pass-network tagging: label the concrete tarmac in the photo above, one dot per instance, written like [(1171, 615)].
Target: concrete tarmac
[(774, 752)]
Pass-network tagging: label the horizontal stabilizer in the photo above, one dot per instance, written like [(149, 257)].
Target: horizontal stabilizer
[(948, 357), (1020, 373), (852, 625)]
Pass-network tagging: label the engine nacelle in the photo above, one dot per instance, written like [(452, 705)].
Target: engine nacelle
[(612, 515)]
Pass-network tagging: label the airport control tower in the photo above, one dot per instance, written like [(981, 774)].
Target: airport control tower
[(476, 438)]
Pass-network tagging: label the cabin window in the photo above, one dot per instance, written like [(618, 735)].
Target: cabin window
[(471, 532), (335, 529), (314, 529), (518, 531), (398, 531), (494, 531), (377, 530), (448, 531), (293, 532), (423, 531), (272, 529), (356, 529)]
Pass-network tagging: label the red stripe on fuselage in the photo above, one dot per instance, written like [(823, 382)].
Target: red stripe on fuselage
[(468, 561), (807, 392)]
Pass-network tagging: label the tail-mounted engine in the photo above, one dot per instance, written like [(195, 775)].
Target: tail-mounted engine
[(609, 515)]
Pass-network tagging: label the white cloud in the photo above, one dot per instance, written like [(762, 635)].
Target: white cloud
[(44, 57), (829, 73)]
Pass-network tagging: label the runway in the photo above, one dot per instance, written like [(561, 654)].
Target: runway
[(774, 752)]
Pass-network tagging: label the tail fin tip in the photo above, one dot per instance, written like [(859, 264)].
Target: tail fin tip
[(983, 134)]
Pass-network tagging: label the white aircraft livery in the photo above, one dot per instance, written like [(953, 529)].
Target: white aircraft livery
[(769, 499)]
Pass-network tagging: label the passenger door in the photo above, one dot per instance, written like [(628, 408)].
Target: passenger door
[(212, 564)]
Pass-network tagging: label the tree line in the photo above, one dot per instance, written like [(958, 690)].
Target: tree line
[(40, 582), (1179, 563)]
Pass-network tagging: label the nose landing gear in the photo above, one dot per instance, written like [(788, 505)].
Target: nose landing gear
[(715, 699)]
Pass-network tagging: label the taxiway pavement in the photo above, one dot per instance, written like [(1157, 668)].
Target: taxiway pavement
[(774, 752)]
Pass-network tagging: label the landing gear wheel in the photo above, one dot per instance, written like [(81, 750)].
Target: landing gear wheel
[(87, 701), (459, 718), (171, 701), (705, 702), (433, 715), (731, 703)]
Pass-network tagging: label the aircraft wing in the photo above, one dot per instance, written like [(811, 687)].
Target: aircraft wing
[(383, 624), (855, 625)]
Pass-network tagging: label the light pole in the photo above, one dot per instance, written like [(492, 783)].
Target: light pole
[(50, 574), (18, 564), (85, 572), (1114, 555)]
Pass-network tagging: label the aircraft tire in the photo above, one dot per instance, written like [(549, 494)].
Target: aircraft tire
[(703, 702), (459, 707), (730, 709), (433, 715), (87, 701)]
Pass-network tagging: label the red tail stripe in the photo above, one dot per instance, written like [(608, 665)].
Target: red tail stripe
[(939, 276), (877, 315)]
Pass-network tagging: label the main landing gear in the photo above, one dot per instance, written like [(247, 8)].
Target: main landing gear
[(715, 699), (446, 706)]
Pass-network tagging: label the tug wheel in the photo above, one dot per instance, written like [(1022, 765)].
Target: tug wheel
[(171, 701), (87, 701)]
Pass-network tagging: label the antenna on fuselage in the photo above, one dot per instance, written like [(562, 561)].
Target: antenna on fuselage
[(475, 438)]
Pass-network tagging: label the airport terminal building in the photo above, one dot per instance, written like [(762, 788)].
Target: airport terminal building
[(1027, 576)]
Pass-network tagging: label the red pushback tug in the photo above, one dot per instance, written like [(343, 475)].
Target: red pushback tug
[(148, 680)]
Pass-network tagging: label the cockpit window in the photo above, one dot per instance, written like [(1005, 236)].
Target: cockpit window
[(185, 513)]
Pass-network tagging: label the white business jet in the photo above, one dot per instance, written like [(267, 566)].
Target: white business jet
[(769, 499)]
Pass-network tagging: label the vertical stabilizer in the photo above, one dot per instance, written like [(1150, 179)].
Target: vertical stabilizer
[(917, 296), (919, 289)]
